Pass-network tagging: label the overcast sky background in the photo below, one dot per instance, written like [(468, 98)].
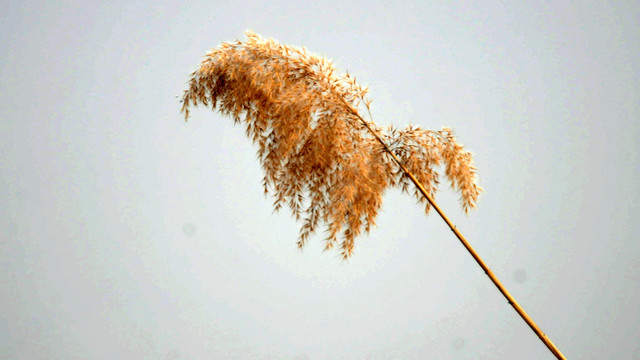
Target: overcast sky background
[(126, 233)]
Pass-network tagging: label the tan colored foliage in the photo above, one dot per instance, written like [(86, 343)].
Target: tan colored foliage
[(318, 154)]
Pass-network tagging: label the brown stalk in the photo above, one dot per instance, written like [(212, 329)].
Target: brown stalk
[(550, 345), (300, 114)]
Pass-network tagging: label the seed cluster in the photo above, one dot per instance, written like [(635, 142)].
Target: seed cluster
[(320, 157)]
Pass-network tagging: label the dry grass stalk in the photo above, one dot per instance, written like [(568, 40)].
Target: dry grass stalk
[(318, 156)]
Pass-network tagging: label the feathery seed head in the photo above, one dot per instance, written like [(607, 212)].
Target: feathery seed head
[(319, 156)]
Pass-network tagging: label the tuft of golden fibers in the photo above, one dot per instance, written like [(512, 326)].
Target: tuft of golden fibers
[(320, 157)]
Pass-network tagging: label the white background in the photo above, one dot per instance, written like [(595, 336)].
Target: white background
[(127, 233)]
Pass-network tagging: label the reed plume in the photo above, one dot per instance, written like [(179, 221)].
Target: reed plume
[(320, 156)]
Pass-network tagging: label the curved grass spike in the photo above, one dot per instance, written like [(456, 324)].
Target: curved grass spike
[(320, 157)]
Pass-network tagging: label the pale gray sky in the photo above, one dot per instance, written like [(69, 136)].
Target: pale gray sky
[(126, 233)]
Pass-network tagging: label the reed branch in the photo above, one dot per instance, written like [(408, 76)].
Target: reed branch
[(320, 157)]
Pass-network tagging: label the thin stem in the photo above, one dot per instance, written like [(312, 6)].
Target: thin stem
[(465, 243)]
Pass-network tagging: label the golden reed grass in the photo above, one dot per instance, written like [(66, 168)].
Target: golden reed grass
[(320, 157)]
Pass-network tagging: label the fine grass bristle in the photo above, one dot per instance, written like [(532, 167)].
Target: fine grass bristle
[(320, 157)]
